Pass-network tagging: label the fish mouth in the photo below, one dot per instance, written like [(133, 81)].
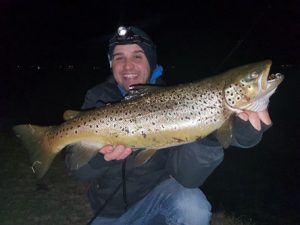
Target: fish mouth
[(269, 82), (273, 80)]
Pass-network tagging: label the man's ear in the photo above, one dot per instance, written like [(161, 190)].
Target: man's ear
[(109, 61)]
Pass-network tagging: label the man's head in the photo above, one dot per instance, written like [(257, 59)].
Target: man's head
[(132, 56)]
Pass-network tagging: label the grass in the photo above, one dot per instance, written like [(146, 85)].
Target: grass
[(61, 201)]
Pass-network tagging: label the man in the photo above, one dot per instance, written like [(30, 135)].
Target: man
[(164, 190)]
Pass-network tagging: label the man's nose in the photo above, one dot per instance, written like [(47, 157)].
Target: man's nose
[(128, 64)]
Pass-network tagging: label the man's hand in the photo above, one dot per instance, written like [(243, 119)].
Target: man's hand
[(118, 152), (255, 118)]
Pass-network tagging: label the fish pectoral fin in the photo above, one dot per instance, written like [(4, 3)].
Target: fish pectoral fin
[(143, 156), (224, 133), (70, 114), (81, 154)]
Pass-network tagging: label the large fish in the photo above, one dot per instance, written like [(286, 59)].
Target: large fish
[(154, 118)]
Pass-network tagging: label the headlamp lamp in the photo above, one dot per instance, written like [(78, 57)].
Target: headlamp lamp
[(128, 36)]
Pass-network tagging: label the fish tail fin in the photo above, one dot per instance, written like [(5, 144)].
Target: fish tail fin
[(40, 152)]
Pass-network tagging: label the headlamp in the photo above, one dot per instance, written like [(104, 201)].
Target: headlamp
[(128, 36), (122, 31)]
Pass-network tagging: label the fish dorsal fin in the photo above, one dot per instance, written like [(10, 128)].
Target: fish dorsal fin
[(82, 152), (139, 90), (70, 114), (143, 156), (224, 133)]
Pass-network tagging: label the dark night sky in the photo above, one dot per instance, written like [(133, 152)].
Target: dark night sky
[(194, 39), (46, 31)]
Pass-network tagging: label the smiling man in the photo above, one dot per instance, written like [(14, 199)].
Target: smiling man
[(130, 65), (164, 190)]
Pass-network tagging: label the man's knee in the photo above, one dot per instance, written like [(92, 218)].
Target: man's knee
[(190, 206)]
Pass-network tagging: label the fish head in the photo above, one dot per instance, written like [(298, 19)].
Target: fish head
[(249, 87)]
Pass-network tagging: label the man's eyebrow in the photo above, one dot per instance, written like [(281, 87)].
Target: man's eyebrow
[(139, 51), (118, 53), (121, 53)]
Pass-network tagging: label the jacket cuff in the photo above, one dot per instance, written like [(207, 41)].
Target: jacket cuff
[(245, 135)]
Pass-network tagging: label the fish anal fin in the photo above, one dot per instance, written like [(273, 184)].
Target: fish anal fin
[(224, 133), (70, 114), (82, 152), (143, 156)]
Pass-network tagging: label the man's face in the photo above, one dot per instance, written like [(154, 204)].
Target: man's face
[(130, 65)]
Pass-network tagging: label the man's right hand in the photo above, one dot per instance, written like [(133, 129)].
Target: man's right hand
[(118, 152)]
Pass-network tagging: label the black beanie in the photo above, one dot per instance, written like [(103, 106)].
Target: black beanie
[(134, 35)]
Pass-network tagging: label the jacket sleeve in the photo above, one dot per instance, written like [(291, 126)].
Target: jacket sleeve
[(91, 101), (191, 164)]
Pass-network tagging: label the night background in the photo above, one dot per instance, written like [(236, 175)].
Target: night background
[(53, 51)]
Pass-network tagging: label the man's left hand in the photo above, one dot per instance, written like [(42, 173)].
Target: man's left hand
[(255, 118)]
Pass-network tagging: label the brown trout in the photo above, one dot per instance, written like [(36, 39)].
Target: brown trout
[(154, 117)]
